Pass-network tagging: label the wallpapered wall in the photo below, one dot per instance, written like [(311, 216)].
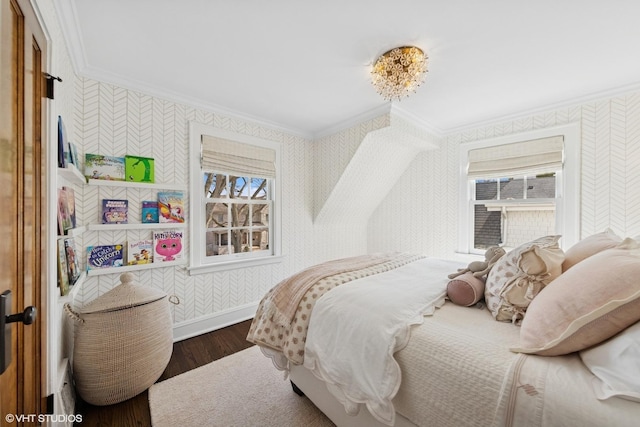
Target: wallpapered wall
[(420, 213), (114, 121)]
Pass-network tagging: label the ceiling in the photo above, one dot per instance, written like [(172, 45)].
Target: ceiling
[(304, 66)]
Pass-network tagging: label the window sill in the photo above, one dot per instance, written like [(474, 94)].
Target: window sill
[(232, 265)]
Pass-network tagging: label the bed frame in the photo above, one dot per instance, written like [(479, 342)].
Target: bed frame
[(303, 381)]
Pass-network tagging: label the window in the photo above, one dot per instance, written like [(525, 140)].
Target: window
[(234, 200), (518, 188)]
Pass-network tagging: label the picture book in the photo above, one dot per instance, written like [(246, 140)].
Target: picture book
[(171, 206), (71, 205), (140, 252), (62, 143), (64, 219), (63, 271), (105, 256), (73, 154), (149, 211), (97, 166), (139, 169), (167, 246), (114, 211), (73, 265)]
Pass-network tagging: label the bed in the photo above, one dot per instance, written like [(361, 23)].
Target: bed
[(374, 341)]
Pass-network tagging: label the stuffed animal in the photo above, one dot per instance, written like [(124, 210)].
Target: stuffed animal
[(482, 268)]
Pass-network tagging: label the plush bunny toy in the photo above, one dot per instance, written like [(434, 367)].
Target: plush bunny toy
[(482, 268)]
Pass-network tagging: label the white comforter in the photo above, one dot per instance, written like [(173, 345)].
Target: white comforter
[(357, 362)]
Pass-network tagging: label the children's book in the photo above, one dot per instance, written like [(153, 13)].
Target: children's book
[(97, 166), (149, 211), (139, 169), (64, 218), (63, 271), (62, 143), (167, 246), (115, 211), (71, 205), (170, 206), (140, 252), (73, 265), (105, 256)]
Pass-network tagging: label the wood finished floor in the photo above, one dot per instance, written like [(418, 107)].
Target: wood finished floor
[(187, 355)]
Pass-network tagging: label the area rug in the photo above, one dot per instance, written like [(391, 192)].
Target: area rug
[(243, 389)]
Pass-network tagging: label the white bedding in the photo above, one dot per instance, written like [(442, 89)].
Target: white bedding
[(356, 329)]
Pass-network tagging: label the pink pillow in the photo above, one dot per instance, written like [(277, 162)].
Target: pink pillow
[(465, 289), (590, 246), (593, 301)]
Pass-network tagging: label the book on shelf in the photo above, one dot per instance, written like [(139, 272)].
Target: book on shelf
[(97, 166), (149, 211), (73, 263), (140, 252), (71, 205), (64, 218), (105, 256), (71, 154), (62, 142), (167, 246), (63, 269), (139, 169), (115, 211), (170, 206)]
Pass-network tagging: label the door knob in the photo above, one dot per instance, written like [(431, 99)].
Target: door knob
[(27, 317)]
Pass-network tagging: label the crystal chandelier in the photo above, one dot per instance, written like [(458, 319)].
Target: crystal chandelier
[(399, 72)]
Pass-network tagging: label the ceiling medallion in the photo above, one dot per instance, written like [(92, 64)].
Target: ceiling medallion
[(398, 72)]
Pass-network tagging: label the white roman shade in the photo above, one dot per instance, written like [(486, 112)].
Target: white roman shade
[(223, 155), (535, 156)]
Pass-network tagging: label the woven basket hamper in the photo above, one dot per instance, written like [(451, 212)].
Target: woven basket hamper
[(123, 342)]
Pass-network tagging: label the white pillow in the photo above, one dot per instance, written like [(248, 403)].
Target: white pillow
[(616, 364)]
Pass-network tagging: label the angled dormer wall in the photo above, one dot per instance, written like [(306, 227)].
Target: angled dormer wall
[(354, 170)]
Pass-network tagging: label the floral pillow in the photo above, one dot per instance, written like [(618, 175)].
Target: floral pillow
[(520, 275)]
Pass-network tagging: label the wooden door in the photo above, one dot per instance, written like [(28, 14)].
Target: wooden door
[(23, 201)]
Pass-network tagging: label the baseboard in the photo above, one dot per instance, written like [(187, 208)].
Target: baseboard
[(204, 324)]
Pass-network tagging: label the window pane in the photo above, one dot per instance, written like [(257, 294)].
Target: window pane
[(486, 189), (215, 185), (259, 189), (511, 188), (238, 187), (217, 215), (239, 215), (487, 228), (260, 239), (217, 242), (541, 186), (260, 214)]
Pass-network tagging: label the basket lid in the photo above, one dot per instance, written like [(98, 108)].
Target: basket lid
[(126, 295)]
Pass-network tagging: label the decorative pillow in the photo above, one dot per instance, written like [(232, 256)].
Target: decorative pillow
[(465, 289), (616, 363), (520, 275), (590, 246), (594, 300)]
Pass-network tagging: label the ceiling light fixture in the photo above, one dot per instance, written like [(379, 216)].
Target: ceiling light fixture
[(399, 72)]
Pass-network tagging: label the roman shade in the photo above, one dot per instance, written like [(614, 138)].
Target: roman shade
[(535, 156), (223, 155)]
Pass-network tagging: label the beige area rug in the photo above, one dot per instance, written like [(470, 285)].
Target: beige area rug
[(243, 389)]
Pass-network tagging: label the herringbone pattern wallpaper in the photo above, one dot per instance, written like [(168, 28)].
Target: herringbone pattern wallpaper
[(115, 121), (420, 212)]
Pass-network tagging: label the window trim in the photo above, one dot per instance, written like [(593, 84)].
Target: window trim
[(198, 263), (568, 192)]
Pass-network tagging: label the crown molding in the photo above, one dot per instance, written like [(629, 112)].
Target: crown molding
[(416, 121), (70, 27), (354, 121)]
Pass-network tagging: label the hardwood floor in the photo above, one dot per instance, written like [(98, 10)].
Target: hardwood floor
[(187, 355)]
